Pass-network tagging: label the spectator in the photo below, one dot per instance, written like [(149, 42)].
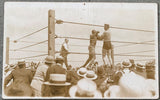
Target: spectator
[(72, 76), (40, 76), (131, 85), (85, 88), (21, 81), (56, 69)]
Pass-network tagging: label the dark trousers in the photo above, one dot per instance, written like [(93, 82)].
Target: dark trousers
[(64, 55), (66, 61), (90, 59)]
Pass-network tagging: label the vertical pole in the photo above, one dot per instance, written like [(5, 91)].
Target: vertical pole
[(51, 33), (7, 50)]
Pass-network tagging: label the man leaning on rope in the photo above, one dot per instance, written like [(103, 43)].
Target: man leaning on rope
[(64, 51)]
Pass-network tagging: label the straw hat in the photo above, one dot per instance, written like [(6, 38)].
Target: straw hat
[(85, 88), (12, 66), (90, 75), (6, 67), (49, 59), (81, 72), (21, 62), (59, 58), (126, 64), (112, 92)]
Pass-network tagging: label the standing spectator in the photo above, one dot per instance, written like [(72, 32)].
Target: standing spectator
[(64, 51), (21, 81), (56, 69), (91, 48), (40, 76)]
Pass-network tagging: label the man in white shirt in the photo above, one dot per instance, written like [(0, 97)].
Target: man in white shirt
[(64, 51)]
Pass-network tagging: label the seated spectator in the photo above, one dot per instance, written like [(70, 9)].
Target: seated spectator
[(131, 85), (72, 76), (117, 74), (85, 88)]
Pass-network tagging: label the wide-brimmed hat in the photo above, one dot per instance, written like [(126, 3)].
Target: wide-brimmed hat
[(85, 88), (49, 59), (90, 75), (126, 64), (21, 62), (6, 67), (12, 66), (140, 65), (59, 58), (81, 72)]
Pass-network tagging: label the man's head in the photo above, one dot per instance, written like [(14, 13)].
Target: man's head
[(49, 60), (21, 63), (106, 27), (69, 67), (60, 60), (94, 31), (66, 40)]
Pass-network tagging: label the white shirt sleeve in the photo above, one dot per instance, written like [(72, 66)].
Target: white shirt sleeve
[(66, 46)]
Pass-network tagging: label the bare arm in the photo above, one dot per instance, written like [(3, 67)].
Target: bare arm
[(100, 37)]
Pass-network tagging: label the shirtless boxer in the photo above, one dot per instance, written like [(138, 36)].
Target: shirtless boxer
[(91, 48), (107, 46)]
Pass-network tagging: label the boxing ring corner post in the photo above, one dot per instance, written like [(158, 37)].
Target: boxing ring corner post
[(51, 33)]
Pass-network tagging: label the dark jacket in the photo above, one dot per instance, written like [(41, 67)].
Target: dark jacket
[(21, 82), (72, 77), (55, 69)]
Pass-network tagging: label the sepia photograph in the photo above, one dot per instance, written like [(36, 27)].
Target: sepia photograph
[(84, 50)]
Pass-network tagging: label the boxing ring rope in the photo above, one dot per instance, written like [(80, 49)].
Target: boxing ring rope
[(32, 45), (61, 21), (111, 41), (122, 54), (132, 44), (31, 33)]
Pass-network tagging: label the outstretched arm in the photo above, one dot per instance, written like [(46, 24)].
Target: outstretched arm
[(8, 79)]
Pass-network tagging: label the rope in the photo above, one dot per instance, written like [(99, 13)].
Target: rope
[(32, 56), (79, 61), (24, 41), (101, 26), (31, 45), (114, 54), (111, 41), (31, 33), (132, 44), (138, 52), (28, 51)]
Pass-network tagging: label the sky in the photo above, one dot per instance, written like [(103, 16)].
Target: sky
[(22, 18)]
